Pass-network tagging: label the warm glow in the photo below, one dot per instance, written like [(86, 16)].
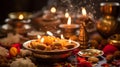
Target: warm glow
[(38, 36), (49, 33), (42, 40), (108, 17), (53, 9), (27, 26), (69, 21), (70, 41), (84, 11), (21, 17), (66, 14), (62, 37)]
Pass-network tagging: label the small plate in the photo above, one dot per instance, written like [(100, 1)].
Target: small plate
[(90, 53)]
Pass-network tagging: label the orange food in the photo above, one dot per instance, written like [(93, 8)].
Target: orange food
[(49, 39), (51, 43), (13, 51)]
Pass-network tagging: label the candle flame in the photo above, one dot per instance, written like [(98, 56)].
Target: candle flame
[(21, 17), (69, 21), (84, 11), (38, 36), (53, 9), (67, 15), (42, 40), (49, 33), (69, 40), (62, 37)]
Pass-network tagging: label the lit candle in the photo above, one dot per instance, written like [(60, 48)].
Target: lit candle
[(84, 17), (49, 33), (69, 29), (69, 41), (53, 10), (66, 15), (21, 17), (69, 21), (38, 36), (62, 37), (84, 13), (42, 40), (69, 25)]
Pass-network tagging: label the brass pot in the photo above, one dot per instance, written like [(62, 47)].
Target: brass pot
[(107, 26), (114, 40), (108, 23), (110, 8)]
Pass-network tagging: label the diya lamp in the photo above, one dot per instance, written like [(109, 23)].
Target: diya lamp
[(69, 29), (87, 21), (64, 17), (20, 21), (22, 25), (50, 15), (20, 15), (16, 20), (84, 16), (16, 17), (48, 21), (53, 12)]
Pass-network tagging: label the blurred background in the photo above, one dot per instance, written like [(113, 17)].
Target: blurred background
[(8, 6)]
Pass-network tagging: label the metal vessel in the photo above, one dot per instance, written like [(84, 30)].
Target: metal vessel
[(108, 24)]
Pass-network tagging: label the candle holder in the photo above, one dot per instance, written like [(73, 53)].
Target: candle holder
[(68, 30), (19, 21), (16, 15), (83, 37)]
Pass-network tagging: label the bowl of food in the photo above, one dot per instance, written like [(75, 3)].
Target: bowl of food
[(50, 47), (90, 53)]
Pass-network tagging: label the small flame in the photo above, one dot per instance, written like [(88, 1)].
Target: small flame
[(49, 33), (84, 11), (53, 9), (69, 40), (42, 40), (38, 36), (67, 15), (21, 17), (69, 21), (62, 37)]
